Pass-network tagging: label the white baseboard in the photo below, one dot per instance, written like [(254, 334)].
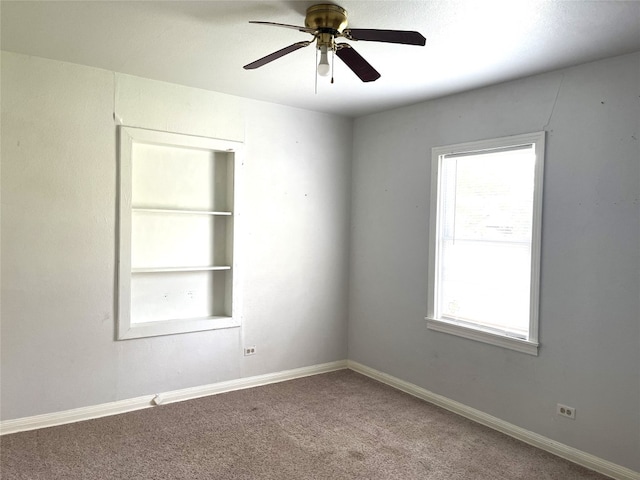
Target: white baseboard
[(569, 453), (75, 415), (148, 401)]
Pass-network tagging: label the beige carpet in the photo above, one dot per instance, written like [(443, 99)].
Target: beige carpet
[(339, 425)]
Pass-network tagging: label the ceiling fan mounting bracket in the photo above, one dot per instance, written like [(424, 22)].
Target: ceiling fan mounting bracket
[(326, 17)]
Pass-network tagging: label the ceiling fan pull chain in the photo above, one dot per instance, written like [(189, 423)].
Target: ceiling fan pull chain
[(333, 57), (315, 73)]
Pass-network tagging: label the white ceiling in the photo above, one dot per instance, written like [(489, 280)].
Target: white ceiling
[(470, 44)]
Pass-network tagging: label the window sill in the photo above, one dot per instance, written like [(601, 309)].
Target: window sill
[(524, 346)]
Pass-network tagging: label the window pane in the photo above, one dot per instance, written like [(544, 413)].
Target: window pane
[(485, 240)]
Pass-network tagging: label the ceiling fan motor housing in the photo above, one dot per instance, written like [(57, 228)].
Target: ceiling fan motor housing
[(326, 16)]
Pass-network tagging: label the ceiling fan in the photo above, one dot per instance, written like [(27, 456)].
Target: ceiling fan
[(328, 22)]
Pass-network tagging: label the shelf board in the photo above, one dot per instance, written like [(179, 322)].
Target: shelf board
[(179, 269), (187, 212)]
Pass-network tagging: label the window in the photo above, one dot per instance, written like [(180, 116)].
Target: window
[(484, 240), (177, 268)]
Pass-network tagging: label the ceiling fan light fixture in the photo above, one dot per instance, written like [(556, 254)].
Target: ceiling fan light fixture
[(323, 66)]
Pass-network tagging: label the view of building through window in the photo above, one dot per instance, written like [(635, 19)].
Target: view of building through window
[(484, 267)]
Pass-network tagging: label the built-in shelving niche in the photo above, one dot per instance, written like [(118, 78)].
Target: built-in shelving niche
[(177, 268)]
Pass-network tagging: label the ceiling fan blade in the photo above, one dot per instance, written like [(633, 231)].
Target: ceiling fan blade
[(405, 37), (284, 25), (355, 62), (275, 55)]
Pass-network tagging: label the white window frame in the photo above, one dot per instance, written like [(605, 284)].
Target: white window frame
[(434, 320), (126, 328)]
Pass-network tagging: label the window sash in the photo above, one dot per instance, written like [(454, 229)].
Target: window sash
[(524, 338)]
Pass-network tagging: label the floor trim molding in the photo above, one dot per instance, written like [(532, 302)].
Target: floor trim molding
[(574, 455), (148, 401)]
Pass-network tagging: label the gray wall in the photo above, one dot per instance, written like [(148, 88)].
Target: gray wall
[(590, 287), (58, 238)]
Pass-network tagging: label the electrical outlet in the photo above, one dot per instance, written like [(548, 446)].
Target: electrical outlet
[(567, 412), (249, 350)]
